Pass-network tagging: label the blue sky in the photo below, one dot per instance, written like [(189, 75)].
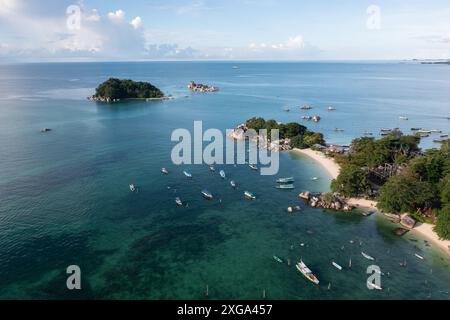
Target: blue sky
[(224, 29)]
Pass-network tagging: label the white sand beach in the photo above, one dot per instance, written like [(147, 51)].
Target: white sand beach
[(333, 169), (328, 163)]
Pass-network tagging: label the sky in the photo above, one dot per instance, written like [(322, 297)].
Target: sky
[(119, 30)]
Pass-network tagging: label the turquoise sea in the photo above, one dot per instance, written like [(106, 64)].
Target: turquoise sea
[(64, 196)]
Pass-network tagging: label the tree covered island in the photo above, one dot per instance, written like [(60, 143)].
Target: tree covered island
[(291, 135), (114, 90)]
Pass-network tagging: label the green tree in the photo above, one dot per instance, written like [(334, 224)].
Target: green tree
[(351, 182), (442, 227), (404, 193)]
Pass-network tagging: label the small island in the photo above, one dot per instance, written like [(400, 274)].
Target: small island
[(198, 87), (291, 135), (115, 90)]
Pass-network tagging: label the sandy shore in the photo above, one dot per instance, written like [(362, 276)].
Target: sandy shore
[(328, 163), (333, 169)]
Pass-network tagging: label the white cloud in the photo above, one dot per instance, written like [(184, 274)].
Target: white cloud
[(136, 23), (93, 17), (117, 16), (293, 43)]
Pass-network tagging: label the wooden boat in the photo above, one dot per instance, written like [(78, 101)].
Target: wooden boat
[(248, 195), (365, 255), (403, 118), (277, 259), (212, 168), (44, 130), (419, 256), (233, 184), (285, 187), (336, 265), (286, 180), (164, 171), (187, 174), (416, 129), (253, 167), (222, 174), (207, 195), (423, 132), (385, 130), (444, 135), (301, 266), (178, 201)]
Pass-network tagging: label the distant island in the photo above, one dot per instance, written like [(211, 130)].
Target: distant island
[(199, 87), (115, 90)]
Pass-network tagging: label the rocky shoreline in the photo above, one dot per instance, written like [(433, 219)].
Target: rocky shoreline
[(109, 100)]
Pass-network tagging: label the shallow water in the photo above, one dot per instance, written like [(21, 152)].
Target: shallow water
[(64, 196)]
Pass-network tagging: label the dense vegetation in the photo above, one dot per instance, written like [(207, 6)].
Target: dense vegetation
[(113, 89), (416, 183), (299, 135)]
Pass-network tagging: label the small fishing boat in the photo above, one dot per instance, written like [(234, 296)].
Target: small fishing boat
[(233, 184), (316, 118), (423, 135), (253, 167), (368, 213), (373, 285), (419, 256), (44, 130), (306, 107), (331, 108), (423, 132), (277, 259), (350, 263), (132, 188), (285, 187), (339, 130), (365, 255), (178, 201), (416, 129), (307, 118), (286, 180), (385, 130), (444, 135), (435, 131), (207, 195), (222, 174), (314, 178), (403, 118), (187, 174), (250, 196), (336, 265), (212, 168), (301, 266), (164, 171), (403, 264), (438, 140), (367, 133)]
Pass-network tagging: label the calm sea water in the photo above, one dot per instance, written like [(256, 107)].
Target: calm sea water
[(64, 196)]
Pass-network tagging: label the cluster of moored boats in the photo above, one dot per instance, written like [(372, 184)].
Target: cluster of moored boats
[(205, 193), (308, 274), (315, 118)]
